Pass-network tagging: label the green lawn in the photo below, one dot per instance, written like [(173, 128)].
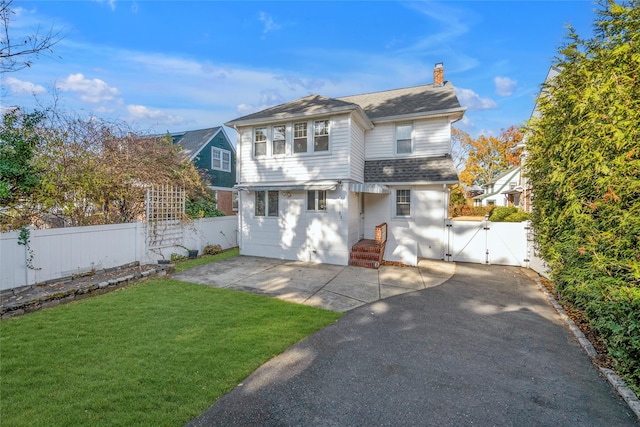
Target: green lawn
[(155, 353)]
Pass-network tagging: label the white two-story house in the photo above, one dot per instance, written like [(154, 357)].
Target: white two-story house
[(317, 175)]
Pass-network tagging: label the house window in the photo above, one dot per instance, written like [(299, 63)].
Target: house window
[(403, 139), (234, 200), (260, 142), (266, 203), (220, 159), (317, 200), (403, 203), (279, 140), (300, 138), (321, 135), (215, 197), (512, 185)]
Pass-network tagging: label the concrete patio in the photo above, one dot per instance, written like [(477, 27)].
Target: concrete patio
[(333, 287)]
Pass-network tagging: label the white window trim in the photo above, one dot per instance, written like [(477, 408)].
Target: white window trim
[(316, 201), (222, 152), (394, 203), (271, 141), (266, 141), (266, 205), (235, 196), (313, 138), (396, 139)]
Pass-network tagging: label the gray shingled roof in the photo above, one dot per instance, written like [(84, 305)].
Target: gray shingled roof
[(191, 141), (424, 169), (309, 105), (410, 100)]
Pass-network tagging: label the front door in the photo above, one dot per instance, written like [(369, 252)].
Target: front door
[(361, 220)]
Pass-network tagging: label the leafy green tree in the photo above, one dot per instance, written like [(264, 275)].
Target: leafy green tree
[(584, 168), (18, 143)]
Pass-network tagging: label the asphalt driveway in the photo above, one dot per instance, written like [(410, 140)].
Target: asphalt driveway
[(482, 348)]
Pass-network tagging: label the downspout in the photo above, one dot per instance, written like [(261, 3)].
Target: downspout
[(445, 202), (238, 169)]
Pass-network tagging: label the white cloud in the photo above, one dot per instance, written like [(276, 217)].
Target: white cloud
[(20, 87), (504, 85), (244, 109), (268, 22), (142, 113), (93, 91), (468, 98)]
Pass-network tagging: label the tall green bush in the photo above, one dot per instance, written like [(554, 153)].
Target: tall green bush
[(584, 166)]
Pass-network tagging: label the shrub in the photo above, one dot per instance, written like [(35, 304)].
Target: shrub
[(499, 213), (212, 249), (517, 217)]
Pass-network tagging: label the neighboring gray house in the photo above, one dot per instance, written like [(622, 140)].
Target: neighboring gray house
[(317, 175), (504, 190)]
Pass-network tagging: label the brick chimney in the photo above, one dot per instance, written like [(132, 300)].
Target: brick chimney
[(438, 75)]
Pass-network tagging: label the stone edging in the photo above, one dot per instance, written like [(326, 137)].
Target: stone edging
[(18, 308), (616, 382)]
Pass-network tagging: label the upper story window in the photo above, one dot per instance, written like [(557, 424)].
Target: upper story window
[(403, 203), (260, 142), (317, 200), (300, 138), (279, 142), (220, 159), (321, 135), (266, 203), (403, 138)]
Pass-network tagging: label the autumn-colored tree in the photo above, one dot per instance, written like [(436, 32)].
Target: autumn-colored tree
[(90, 171), (488, 157)]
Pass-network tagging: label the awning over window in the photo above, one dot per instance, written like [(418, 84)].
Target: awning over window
[(355, 187), (321, 186)]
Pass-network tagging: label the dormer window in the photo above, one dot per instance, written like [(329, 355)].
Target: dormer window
[(300, 137), (403, 138), (260, 142)]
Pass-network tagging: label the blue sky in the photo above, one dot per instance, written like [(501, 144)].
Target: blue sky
[(182, 65)]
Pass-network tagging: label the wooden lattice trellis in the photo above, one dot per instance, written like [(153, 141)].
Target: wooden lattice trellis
[(165, 210)]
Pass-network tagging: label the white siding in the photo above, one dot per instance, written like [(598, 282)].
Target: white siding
[(357, 152), (410, 238), (297, 234), (299, 167), (354, 219), (430, 138)]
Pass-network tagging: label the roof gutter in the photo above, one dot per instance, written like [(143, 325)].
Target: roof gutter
[(287, 116), (457, 114)]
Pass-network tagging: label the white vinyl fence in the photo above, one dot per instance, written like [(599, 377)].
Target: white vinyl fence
[(63, 252)]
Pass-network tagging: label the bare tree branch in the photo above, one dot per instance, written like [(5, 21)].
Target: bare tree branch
[(16, 54)]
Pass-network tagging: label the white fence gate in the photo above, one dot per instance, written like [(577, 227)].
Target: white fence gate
[(486, 242)]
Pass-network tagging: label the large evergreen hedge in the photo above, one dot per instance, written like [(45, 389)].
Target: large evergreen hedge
[(584, 166)]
